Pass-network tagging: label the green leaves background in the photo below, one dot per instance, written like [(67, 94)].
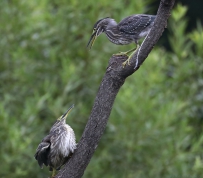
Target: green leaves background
[(155, 128)]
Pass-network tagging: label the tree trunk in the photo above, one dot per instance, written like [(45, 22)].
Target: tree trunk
[(112, 81)]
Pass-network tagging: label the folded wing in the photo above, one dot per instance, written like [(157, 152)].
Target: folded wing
[(42, 152), (136, 23)]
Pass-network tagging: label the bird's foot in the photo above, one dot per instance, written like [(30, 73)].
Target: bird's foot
[(126, 62), (121, 54), (130, 56), (125, 53), (53, 173)]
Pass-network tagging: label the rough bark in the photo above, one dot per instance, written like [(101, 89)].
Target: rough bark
[(112, 81)]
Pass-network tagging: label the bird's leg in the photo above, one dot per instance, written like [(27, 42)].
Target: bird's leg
[(53, 173), (124, 53), (129, 57)]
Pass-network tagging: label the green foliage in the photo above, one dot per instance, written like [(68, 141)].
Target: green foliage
[(155, 128)]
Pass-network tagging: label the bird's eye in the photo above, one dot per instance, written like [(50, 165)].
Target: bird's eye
[(94, 29)]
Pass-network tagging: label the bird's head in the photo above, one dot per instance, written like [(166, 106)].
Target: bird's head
[(61, 120), (99, 27)]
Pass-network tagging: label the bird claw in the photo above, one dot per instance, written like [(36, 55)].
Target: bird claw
[(127, 61)]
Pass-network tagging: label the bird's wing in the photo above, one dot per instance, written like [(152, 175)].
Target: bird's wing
[(135, 24), (42, 152)]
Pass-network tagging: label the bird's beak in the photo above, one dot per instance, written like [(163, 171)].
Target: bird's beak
[(67, 112), (92, 39)]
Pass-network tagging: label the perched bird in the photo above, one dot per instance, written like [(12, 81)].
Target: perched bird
[(57, 147), (129, 30)]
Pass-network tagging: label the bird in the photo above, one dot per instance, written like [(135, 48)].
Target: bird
[(58, 146), (128, 30)]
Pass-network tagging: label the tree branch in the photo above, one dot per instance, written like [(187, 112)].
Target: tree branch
[(112, 81)]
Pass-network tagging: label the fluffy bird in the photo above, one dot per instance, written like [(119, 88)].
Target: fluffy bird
[(58, 146)]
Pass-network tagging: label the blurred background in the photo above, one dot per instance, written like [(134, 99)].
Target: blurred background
[(155, 128)]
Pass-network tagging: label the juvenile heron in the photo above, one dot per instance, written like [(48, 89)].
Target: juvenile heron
[(57, 147), (129, 30)]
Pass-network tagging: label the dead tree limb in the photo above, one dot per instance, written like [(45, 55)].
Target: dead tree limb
[(112, 81)]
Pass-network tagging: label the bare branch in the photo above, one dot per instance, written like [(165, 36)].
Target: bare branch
[(113, 79)]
